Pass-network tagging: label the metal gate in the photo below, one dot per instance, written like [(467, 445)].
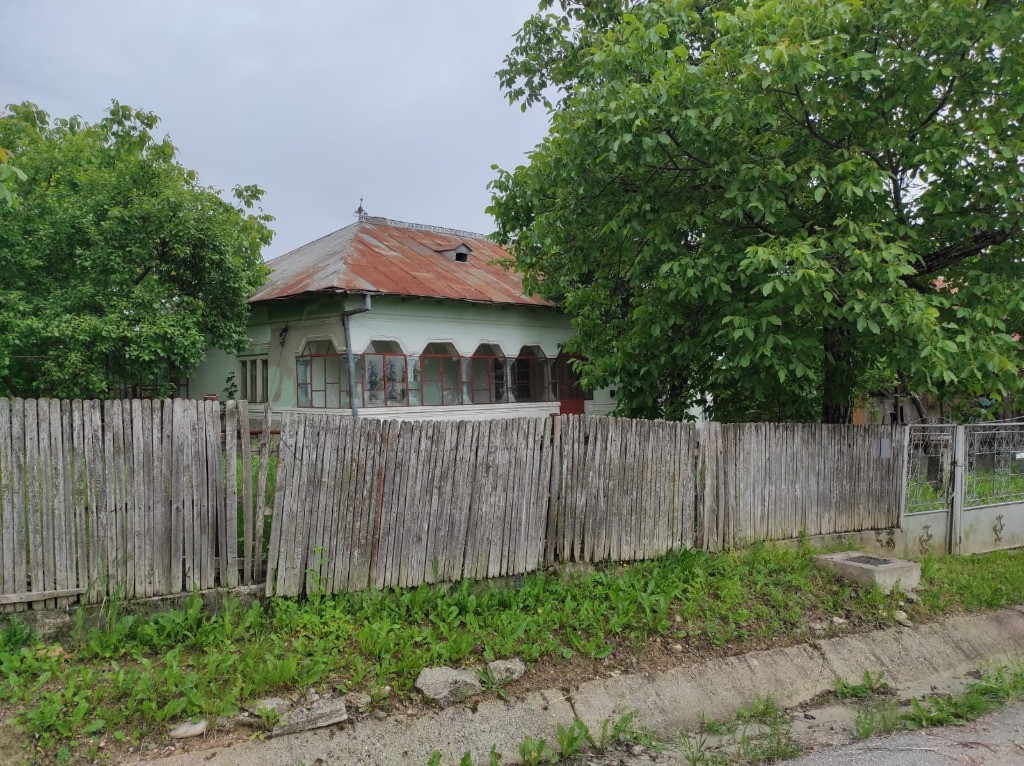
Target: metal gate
[(964, 488)]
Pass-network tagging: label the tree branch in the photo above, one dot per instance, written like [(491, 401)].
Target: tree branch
[(952, 254)]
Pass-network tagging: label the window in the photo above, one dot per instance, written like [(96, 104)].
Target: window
[(384, 372), (487, 375), (252, 380), (321, 376), (527, 375), (565, 382), (440, 375)]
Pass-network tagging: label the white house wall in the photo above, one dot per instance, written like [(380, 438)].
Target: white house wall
[(412, 323)]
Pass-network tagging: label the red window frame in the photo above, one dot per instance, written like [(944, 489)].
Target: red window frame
[(473, 387), (384, 375), (458, 389), (343, 392)]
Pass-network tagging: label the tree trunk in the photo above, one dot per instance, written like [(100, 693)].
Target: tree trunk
[(837, 378)]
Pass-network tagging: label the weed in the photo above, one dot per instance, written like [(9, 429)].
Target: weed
[(697, 753), (871, 685), (763, 710), (131, 674), (774, 745), (574, 738), (489, 683), (269, 718), (535, 751), (878, 719), (993, 690)]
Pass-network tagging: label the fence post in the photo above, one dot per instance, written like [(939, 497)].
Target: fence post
[(959, 487)]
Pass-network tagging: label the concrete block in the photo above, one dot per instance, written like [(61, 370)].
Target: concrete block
[(867, 570)]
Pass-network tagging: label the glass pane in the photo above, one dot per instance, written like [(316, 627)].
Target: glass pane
[(333, 369), (373, 379), (398, 389), (319, 365), (242, 382), (452, 368), (303, 398), (481, 379), (500, 392), (414, 381), (431, 394), (431, 368), (319, 399), (333, 395), (302, 369)]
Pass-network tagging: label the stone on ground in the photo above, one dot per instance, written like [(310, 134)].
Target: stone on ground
[(358, 700), (325, 711), (506, 671), (189, 729), (446, 686)]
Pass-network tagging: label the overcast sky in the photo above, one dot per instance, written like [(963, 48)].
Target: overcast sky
[(320, 103)]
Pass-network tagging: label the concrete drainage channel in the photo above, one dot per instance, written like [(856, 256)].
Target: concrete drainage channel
[(668, 702)]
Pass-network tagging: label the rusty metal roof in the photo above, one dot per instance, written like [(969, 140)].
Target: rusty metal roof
[(385, 257)]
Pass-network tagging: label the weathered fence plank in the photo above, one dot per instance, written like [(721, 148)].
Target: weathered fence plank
[(125, 499)]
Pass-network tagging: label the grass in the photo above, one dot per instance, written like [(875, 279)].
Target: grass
[(870, 685), (132, 677), (268, 497), (983, 487), (991, 692), (573, 740), (759, 733)]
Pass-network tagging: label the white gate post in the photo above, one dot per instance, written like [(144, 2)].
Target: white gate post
[(959, 487)]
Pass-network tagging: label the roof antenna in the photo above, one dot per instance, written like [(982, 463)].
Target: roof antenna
[(359, 212)]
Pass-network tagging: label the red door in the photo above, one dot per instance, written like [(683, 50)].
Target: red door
[(571, 396), (570, 406)]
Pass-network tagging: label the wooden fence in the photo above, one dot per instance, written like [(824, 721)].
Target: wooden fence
[(126, 499), (144, 498), (772, 481), (379, 504)]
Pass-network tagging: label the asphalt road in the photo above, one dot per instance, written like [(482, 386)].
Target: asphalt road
[(994, 740)]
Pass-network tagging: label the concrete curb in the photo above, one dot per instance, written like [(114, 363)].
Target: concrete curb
[(667, 702)]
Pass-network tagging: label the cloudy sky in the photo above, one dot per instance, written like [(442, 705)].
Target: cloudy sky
[(320, 103)]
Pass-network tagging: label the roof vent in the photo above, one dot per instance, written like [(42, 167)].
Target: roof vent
[(459, 254)]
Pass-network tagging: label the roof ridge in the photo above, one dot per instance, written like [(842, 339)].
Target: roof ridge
[(422, 227)]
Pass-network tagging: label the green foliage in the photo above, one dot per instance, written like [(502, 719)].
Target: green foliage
[(992, 691), (9, 174), (874, 720), (992, 581), (117, 266), (533, 752), (574, 738), (759, 733), (870, 685), (132, 675), (753, 201)]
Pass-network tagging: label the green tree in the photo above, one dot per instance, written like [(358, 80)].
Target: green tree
[(116, 266), (9, 174), (772, 207)]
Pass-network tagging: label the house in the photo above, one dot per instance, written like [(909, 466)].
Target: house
[(437, 327)]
